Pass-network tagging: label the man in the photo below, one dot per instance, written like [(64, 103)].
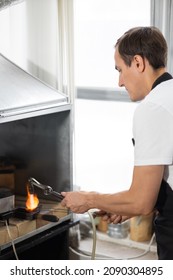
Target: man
[(140, 58)]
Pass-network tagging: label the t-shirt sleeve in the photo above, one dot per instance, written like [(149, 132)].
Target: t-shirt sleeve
[(153, 135)]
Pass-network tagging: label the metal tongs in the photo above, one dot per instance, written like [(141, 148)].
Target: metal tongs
[(47, 190)]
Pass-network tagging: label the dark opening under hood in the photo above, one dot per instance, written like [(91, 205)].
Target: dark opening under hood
[(21, 93)]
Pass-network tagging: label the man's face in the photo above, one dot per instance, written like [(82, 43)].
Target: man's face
[(129, 77)]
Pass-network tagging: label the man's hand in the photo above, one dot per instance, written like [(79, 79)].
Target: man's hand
[(78, 202), (110, 218)]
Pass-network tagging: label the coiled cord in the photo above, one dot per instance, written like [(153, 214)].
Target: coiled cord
[(11, 239), (93, 255)]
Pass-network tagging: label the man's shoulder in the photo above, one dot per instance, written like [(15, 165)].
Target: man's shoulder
[(160, 98)]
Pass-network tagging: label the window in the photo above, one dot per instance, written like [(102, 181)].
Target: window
[(98, 24), (103, 129)]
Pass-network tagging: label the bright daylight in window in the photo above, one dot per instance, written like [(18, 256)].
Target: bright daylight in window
[(98, 24), (103, 129)]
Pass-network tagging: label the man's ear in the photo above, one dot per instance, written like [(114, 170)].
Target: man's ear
[(139, 62)]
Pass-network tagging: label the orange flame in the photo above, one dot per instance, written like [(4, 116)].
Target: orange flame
[(32, 201)]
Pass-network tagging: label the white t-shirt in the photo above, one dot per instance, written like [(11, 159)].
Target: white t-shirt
[(153, 129)]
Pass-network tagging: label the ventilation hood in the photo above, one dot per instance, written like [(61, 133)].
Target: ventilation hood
[(22, 93)]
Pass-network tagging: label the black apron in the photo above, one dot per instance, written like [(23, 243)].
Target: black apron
[(163, 222)]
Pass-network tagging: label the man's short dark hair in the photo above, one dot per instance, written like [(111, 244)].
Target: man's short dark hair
[(148, 42)]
